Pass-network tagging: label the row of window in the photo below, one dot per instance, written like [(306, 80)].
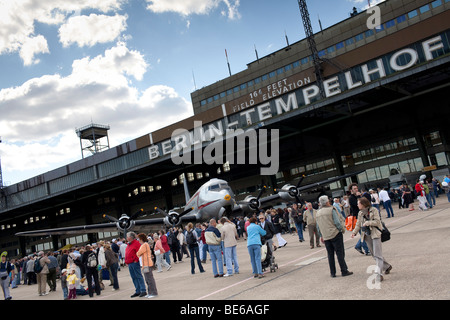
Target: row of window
[(336, 47)]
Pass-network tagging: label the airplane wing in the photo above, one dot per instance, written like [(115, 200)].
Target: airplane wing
[(287, 194), (102, 227)]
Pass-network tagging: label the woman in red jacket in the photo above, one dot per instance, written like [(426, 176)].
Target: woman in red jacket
[(165, 245)]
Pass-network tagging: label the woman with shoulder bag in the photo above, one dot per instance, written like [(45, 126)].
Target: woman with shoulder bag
[(159, 254), (369, 222), (145, 255)]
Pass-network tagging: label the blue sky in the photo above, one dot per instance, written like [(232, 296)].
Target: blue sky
[(126, 63)]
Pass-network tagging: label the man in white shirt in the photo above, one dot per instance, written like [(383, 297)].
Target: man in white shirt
[(384, 196)]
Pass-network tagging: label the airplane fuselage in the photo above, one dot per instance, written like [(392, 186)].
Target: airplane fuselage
[(211, 200)]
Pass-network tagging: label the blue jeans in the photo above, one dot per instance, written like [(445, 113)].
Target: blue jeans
[(299, 227), (167, 256), (136, 276), (204, 250), (194, 253), (215, 252), (230, 259), (428, 196), (254, 251), (433, 197), (388, 206), (65, 292), (362, 244)]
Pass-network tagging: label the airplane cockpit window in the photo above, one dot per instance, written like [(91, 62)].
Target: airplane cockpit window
[(219, 187), (214, 187)]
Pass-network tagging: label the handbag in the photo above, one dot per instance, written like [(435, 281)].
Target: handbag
[(350, 223), (146, 269), (385, 233)]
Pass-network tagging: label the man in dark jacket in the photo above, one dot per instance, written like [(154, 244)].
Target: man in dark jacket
[(270, 231), (91, 272)]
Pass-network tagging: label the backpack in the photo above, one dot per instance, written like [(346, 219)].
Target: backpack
[(37, 266), (92, 260), (190, 238)]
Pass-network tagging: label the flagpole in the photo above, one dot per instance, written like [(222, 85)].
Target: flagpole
[(228, 63)]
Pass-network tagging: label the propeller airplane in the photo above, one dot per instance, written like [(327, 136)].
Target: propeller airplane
[(213, 199)]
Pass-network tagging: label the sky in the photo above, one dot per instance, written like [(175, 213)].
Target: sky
[(129, 64)]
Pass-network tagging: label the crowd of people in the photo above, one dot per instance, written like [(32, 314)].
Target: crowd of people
[(82, 269)]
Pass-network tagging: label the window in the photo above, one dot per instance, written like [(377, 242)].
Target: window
[(272, 74), (340, 45), (304, 60), (401, 19), (229, 91), (280, 71), (369, 33), (236, 89), (257, 80), (210, 100), (243, 86), (330, 49), (379, 28), (349, 41), (288, 67), (223, 94), (424, 9), (436, 3), (265, 77), (216, 97), (203, 102), (390, 24), (296, 64), (412, 14), (359, 37), (321, 53)]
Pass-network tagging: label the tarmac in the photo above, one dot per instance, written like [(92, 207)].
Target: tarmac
[(419, 251)]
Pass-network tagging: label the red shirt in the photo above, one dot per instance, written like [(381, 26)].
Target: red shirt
[(131, 250), (164, 243), (419, 189)]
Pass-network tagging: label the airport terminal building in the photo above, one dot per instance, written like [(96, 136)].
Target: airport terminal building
[(382, 107)]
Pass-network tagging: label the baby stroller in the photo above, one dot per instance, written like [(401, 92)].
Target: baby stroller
[(267, 258)]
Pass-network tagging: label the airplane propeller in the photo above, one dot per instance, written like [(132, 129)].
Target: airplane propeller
[(252, 202), (293, 190), (172, 218)]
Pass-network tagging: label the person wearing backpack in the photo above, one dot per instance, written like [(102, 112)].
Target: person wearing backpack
[(89, 260), (41, 270), (5, 268), (192, 242)]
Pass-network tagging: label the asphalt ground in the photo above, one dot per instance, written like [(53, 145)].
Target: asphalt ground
[(419, 251)]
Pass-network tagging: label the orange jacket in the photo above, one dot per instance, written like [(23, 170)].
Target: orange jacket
[(146, 254)]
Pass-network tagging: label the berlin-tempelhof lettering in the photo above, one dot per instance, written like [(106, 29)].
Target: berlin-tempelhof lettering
[(221, 131), (224, 147)]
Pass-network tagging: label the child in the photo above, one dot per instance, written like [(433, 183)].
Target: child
[(64, 283), (71, 281)]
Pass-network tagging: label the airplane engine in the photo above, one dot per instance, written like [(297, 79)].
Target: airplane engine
[(288, 192), (124, 223), (172, 219), (252, 202)]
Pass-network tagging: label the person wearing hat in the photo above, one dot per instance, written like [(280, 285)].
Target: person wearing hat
[(5, 269), (64, 283)]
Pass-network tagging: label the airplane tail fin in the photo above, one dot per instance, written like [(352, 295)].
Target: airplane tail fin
[(186, 190)]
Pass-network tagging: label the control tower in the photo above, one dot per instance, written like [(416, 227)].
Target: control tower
[(93, 138)]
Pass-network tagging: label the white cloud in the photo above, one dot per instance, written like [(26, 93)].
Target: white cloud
[(188, 7), (39, 117), (17, 20), (92, 29), (32, 46)]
